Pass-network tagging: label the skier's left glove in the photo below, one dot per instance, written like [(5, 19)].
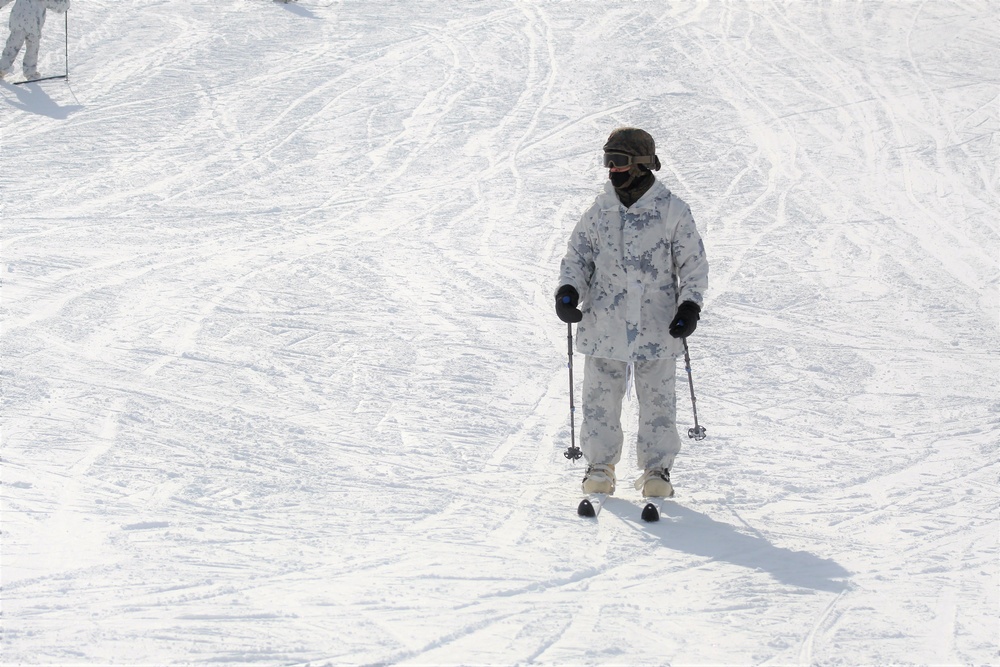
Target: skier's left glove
[(686, 320)]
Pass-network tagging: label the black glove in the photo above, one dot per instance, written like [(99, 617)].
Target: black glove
[(566, 299), (686, 320)]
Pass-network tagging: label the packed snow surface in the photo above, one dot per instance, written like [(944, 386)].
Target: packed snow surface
[(283, 384)]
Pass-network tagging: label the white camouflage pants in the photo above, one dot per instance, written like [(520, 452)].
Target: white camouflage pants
[(604, 387), (14, 42)]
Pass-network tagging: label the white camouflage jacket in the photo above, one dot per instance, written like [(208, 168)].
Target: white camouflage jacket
[(29, 15), (632, 267)]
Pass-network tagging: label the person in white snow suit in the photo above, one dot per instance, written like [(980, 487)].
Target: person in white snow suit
[(633, 277), (26, 21)]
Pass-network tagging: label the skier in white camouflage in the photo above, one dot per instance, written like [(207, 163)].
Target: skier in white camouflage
[(26, 21), (633, 276)]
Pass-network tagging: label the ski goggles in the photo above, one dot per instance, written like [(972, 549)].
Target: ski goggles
[(619, 160)]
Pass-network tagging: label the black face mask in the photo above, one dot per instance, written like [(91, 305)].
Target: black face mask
[(620, 179), (632, 184)]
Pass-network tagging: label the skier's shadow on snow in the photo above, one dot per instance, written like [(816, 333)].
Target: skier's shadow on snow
[(683, 529), (296, 8), (31, 97)]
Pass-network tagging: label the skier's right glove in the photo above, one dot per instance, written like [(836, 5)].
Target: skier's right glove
[(686, 320), (566, 300)]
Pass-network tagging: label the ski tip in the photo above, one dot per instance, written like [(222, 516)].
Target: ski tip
[(586, 508), (650, 513)]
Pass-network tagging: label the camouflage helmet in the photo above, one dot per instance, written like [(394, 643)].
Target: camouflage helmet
[(635, 142)]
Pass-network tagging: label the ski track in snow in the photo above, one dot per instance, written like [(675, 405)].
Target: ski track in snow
[(282, 384)]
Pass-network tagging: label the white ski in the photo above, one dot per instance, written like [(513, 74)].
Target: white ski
[(651, 510), (591, 505), (44, 78)]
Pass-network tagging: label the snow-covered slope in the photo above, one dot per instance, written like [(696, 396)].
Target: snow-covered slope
[(282, 383)]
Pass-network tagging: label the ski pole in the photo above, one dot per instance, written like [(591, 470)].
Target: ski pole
[(698, 432), (573, 453), (67, 44)]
